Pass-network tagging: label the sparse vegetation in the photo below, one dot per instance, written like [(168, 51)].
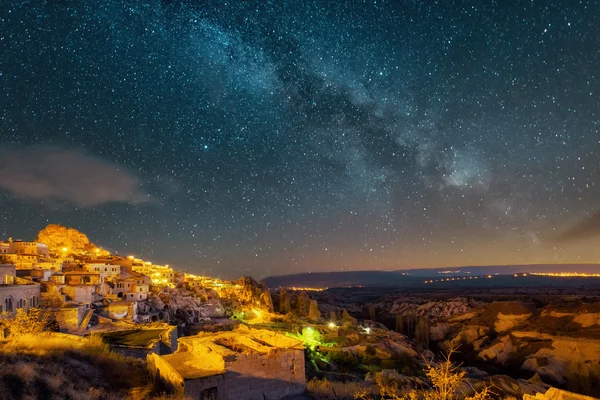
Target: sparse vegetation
[(23, 322), (61, 366), (446, 381)]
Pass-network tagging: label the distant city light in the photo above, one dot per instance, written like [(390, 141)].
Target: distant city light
[(306, 289), (565, 274)]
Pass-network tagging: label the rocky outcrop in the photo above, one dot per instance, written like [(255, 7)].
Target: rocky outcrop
[(439, 331), (467, 335), (432, 309), (500, 351), (587, 320), (248, 292), (507, 322), (175, 304), (347, 319), (313, 312), (285, 305), (68, 241), (266, 303), (303, 304), (557, 394)]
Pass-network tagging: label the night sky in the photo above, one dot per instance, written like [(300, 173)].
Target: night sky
[(271, 137)]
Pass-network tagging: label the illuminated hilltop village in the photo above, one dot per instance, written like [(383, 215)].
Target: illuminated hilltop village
[(82, 283), (206, 338)]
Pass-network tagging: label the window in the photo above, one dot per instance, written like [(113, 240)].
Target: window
[(209, 394)]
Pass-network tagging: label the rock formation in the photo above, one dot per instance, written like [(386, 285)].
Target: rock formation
[(266, 303), (68, 241), (284, 301), (303, 304), (313, 312), (347, 319), (251, 292)]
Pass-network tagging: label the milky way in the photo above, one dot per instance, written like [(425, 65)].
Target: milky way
[(277, 137)]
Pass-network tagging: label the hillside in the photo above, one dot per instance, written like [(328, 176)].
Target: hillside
[(58, 366), (412, 277)]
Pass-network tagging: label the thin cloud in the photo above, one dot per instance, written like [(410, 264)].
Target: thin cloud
[(51, 173), (585, 229)]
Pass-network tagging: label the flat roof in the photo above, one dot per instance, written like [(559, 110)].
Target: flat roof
[(206, 354), (187, 365)]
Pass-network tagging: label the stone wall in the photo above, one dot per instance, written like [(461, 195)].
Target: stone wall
[(80, 293), (254, 376), (165, 375), (69, 318), (276, 374), (27, 295), (246, 364)]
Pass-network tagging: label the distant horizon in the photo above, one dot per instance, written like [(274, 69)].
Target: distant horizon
[(450, 268), (192, 270)]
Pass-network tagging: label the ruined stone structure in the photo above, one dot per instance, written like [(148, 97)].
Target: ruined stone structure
[(243, 364)]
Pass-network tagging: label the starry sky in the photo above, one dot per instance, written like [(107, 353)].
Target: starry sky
[(273, 137)]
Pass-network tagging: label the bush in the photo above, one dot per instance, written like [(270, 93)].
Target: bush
[(445, 378)]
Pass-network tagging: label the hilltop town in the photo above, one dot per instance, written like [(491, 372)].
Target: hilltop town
[(150, 330), (85, 286)]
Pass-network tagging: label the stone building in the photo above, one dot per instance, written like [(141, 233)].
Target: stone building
[(106, 271), (31, 248), (4, 247), (131, 286), (16, 292), (244, 365), (72, 287)]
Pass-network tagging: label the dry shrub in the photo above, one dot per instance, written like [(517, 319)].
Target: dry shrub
[(23, 322), (446, 380), (63, 366)]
